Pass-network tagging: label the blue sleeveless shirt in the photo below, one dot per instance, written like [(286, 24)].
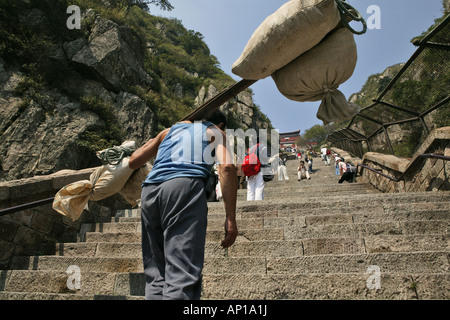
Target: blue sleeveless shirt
[(180, 154)]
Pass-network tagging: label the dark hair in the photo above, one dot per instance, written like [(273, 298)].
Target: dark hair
[(217, 117)]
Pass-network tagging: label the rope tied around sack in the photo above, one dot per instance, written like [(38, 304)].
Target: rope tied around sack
[(329, 90), (115, 155), (348, 14)]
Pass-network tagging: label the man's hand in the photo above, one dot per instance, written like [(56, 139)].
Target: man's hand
[(231, 233)]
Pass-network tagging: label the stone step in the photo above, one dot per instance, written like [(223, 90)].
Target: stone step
[(338, 286), (135, 226), (295, 228), (416, 209), (222, 270), (62, 296), (55, 281), (134, 215), (337, 202), (51, 285), (295, 194), (419, 227), (303, 187), (211, 235), (257, 220), (419, 262), (271, 248)]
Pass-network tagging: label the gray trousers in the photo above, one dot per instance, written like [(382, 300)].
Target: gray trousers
[(174, 220)]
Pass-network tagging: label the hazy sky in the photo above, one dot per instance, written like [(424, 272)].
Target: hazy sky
[(227, 25)]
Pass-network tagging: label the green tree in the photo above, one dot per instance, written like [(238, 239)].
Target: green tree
[(143, 4), (317, 133)]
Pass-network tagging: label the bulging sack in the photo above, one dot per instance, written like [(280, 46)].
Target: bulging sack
[(317, 74), (104, 182), (293, 29)]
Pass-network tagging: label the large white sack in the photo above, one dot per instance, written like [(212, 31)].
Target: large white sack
[(293, 29), (104, 182), (317, 74)]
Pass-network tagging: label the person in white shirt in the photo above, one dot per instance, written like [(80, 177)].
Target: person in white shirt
[(302, 171), (256, 183), (282, 171), (323, 152)]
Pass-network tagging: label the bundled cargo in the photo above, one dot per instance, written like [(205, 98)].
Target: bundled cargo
[(308, 53), (115, 176), (317, 74), (293, 29)]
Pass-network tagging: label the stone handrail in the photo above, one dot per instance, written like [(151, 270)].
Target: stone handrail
[(35, 230), (428, 175)]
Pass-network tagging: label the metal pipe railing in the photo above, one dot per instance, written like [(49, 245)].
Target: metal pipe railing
[(401, 177), (25, 206)]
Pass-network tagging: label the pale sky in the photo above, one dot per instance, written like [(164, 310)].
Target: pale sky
[(227, 25)]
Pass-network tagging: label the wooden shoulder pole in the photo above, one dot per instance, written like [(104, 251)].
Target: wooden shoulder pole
[(218, 100)]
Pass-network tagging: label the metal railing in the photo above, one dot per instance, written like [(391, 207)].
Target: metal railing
[(402, 176), (25, 206), (419, 89)]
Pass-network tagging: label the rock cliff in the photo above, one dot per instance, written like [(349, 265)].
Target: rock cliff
[(109, 88)]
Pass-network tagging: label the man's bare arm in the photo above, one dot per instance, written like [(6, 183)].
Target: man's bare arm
[(148, 151), (228, 183)]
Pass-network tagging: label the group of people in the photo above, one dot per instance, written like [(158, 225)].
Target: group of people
[(344, 169), (303, 170)]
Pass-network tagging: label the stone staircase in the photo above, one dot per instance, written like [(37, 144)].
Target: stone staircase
[(313, 239)]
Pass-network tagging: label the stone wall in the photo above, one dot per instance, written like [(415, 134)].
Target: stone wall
[(420, 175), (35, 231)]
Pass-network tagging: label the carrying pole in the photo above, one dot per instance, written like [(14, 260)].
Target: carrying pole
[(218, 100)]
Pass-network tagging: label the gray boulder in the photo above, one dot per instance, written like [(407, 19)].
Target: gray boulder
[(112, 53)]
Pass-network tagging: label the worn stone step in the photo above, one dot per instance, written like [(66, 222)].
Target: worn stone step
[(309, 186), (91, 264), (131, 264), (56, 281), (336, 202), (338, 286), (326, 217), (329, 216), (211, 235), (62, 296), (313, 286), (355, 286), (221, 274), (401, 262), (297, 194), (416, 200), (294, 192), (56, 285), (135, 226), (297, 229), (419, 262), (438, 208), (418, 227), (275, 248)]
